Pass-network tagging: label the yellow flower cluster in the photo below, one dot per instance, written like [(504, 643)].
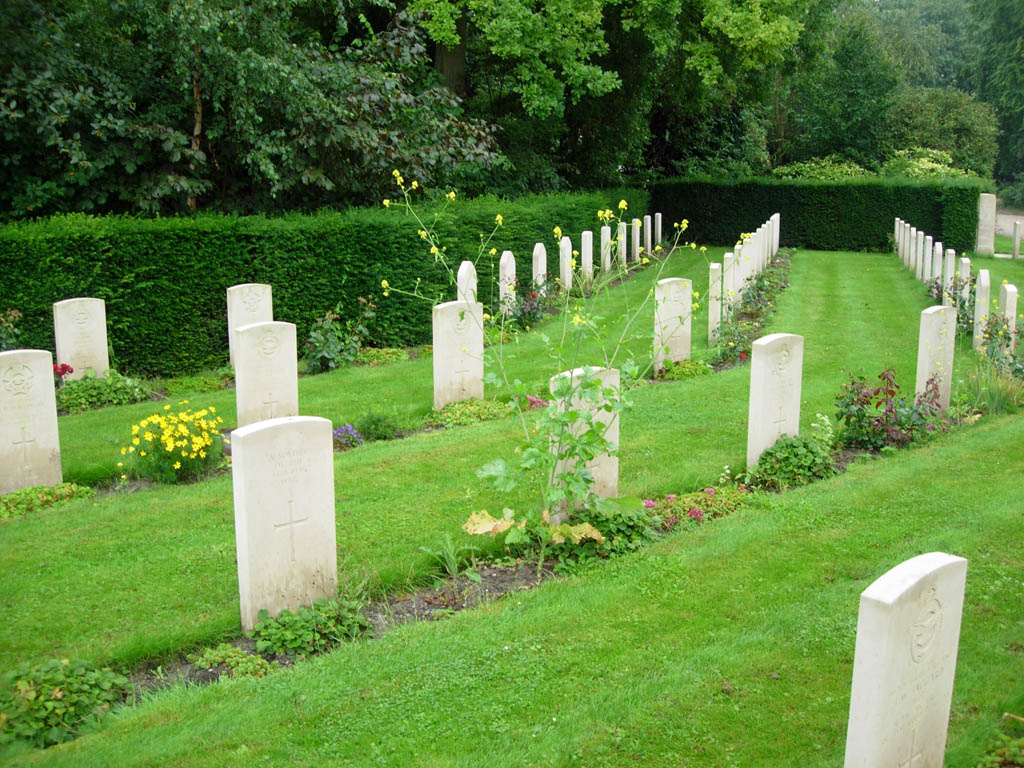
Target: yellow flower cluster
[(606, 215), (558, 233), (169, 439)]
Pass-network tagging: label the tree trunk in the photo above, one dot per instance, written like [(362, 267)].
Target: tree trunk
[(451, 62), (197, 125)]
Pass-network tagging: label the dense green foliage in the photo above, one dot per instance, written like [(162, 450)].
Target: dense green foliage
[(309, 630), (25, 500), (91, 391), (164, 280), (821, 214), (791, 462)]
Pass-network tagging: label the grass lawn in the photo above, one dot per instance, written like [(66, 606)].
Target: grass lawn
[(731, 646)]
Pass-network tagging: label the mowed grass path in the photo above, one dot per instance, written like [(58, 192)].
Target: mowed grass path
[(127, 577), (730, 645)]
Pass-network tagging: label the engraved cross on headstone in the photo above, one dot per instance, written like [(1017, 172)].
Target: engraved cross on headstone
[(459, 378), (916, 759), (268, 405), (290, 525), (780, 420), (24, 443)]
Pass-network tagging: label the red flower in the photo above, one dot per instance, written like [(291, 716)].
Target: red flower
[(743, 355), (533, 295)]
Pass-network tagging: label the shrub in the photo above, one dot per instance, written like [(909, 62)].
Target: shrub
[(876, 417), (1007, 752), (991, 388), (175, 447), (309, 630), (921, 163), (381, 355), (332, 343), (93, 392), (235, 661), (828, 168), (466, 412), (377, 425), (9, 331), (49, 703), (683, 369), (792, 461), (21, 502)]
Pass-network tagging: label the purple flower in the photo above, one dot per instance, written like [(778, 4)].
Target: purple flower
[(648, 503)]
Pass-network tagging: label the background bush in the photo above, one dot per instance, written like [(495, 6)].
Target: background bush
[(164, 280), (852, 214)]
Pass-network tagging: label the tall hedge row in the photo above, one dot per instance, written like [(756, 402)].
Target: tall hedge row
[(164, 280), (856, 214)]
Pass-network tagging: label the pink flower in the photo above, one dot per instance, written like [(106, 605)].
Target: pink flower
[(709, 491), (536, 402), (697, 514), (648, 503), (670, 497)]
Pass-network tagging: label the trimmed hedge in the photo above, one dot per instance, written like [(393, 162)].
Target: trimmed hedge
[(164, 280), (849, 215)]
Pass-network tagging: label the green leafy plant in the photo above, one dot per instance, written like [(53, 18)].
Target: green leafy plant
[(309, 630), (377, 425), (9, 331), (697, 507), (174, 447), (1006, 752), (235, 661), (450, 556), (467, 412), (381, 355), (874, 418), (332, 343), (792, 461), (49, 703), (93, 392), (683, 369), (21, 502), (992, 388)]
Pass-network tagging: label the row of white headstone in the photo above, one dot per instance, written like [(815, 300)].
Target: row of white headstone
[(727, 281), (926, 259)]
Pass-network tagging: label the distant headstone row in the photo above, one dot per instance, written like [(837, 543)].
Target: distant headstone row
[(727, 282)]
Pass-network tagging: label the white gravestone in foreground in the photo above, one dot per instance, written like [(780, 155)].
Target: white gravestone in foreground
[(605, 467), (540, 267), (266, 372), (776, 368), (507, 282), (458, 353), (565, 263), (935, 351), (986, 242), (982, 295), (283, 477), (248, 303), (714, 301), (80, 330), (1008, 306), (621, 245), (648, 236), (587, 258), (908, 632), (29, 443), (606, 248), (636, 240), (657, 229), (672, 310)]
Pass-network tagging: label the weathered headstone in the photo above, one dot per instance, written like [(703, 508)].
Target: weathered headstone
[(80, 330), (965, 277), (935, 351), (948, 272), (896, 235), (657, 229), (908, 631), (982, 296), (986, 241), (466, 282), (776, 369), (605, 467), (620, 243), (606, 248), (507, 281), (540, 268), (1016, 239), (919, 256), (282, 471), (565, 264), (714, 301), (266, 372), (458, 353), (248, 303), (776, 232), (648, 236), (29, 443), (673, 301), (728, 270), (1008, 306), (739, 273), (926, 268), (636, 240), (907, 240), (587, 258), (913, 250), (937, 263)]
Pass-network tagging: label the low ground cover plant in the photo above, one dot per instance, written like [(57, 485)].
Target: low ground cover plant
[(21, 502), (467, 412), (791, 462), (683, 369), (381, 355), (50, 703), (233, 661), (307, 631), (94, 392), (174, 446)]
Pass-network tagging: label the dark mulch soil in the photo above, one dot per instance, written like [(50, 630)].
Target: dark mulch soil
[(847, 456)]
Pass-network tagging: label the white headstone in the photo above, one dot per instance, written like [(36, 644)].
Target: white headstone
[(587, 258), (540, 267), (605, 382), (606, 248), (982, 295), (248, 303), (714, 301), (282, 471), (80, 330), (986, 242), (465, 282), (657, 229), (948, 271), (728, 282), (458, 353), (29, 444), (565, 263), (620, 243), (776, 231), (648, 236), (926, 269), (266, 372), (937, 263), (919, 256), (1016, 239), (673, 301), (776, 368), (907, 240), (935, 351), (507, 281), (912, 254), (636, 240), (965, 277), (1008, 306), (739, 274), (908, 631)]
